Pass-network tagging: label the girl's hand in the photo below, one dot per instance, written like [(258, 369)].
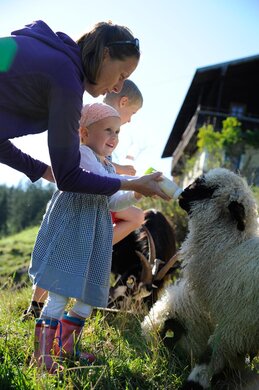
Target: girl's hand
[(125, 169), (146, 185), (137, 195)]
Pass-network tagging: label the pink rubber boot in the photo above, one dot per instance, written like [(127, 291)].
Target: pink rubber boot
[(70, 329), (43, 345)]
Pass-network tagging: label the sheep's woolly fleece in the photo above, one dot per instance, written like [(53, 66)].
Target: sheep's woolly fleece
[(217, 296)]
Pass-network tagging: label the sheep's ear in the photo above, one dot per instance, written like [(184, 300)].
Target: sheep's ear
[(172, 324), (237, 212)]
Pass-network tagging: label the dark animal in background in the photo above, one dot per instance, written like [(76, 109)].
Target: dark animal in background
[(142, 261)]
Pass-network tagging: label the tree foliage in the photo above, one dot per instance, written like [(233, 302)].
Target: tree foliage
[(210, 141), (231, 133), (216, 142), (22, 206), (225, 146)]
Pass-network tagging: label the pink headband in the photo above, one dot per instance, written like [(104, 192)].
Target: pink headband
[(94, 112)]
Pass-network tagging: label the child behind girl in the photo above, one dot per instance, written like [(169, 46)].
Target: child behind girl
[(73, 250), (127, 102)]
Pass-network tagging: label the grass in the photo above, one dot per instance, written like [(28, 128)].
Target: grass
[(124, 360), (15, 253)]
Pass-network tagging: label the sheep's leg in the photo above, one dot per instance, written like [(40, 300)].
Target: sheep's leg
[(199, 377), (210, 363)]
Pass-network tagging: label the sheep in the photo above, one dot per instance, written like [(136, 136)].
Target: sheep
[(213, 308)]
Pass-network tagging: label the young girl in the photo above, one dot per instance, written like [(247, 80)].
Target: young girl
[(73, 250), (127, 102)]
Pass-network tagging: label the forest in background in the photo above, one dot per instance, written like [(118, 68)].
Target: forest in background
[(23, 206)]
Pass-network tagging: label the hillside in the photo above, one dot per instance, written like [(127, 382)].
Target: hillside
[(15, 253)]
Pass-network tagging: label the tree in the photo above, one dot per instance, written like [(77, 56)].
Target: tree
[(223, 147), (3, 210), (23, 206), (210, 141)]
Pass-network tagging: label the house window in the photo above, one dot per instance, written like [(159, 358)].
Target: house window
[(237, 109)]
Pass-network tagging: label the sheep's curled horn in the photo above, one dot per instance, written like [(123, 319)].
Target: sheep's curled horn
[(237, 212), (147, 265)]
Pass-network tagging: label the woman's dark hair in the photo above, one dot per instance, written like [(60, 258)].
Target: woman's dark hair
[(118, 39)]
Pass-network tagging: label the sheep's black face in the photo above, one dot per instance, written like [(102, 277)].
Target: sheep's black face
[(195, 192)]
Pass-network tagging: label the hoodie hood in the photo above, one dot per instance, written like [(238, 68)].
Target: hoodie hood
[(60, 41)]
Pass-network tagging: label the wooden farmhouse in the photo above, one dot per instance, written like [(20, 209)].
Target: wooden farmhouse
[(229, 89)]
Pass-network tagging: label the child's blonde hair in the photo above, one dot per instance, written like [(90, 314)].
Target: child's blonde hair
[(129, 90)]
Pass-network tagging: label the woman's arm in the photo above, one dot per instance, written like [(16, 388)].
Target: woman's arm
[(63, 142), (13, 157), (146, 185)]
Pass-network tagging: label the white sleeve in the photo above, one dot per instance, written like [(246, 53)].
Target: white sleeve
[(90, 163), (122, 200)]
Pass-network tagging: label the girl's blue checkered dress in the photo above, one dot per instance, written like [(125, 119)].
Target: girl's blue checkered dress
[(73, 250)]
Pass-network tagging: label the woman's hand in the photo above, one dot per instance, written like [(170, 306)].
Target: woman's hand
[(146, 185), (48, 175)]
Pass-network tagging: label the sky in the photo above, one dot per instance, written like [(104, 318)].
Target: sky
[(176, 37)]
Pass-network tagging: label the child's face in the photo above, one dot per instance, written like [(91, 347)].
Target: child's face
[(103, 136), (126, 111)]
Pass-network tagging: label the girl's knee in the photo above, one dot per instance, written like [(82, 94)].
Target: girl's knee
[(140, 217), (82, 309), (137, 217)]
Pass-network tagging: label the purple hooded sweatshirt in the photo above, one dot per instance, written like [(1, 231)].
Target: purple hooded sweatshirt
[(42, 89)]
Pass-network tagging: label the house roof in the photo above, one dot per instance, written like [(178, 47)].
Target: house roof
[(204, 77)]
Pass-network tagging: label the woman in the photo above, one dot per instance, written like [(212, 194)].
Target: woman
[(43, 76)]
